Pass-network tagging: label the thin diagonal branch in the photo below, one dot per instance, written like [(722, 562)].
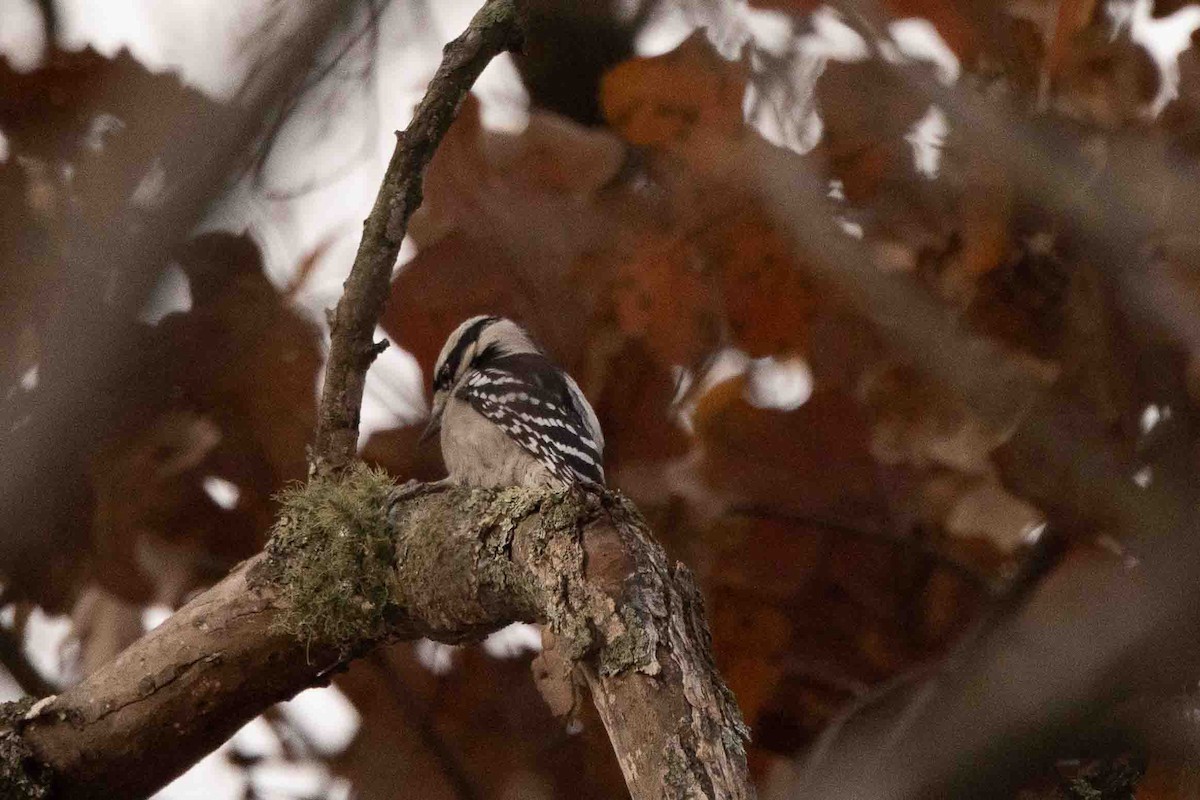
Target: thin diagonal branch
[(402, 694), (495, 29), (940, 558)]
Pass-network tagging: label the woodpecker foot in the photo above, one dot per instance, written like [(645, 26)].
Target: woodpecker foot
[(413, 489)]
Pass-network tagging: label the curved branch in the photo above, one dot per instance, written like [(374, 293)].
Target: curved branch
[(461, 563), (494, 29)]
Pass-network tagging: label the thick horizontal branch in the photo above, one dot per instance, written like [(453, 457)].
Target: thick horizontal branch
[(453, 566)]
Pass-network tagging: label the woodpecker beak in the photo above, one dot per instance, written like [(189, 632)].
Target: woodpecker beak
[(435, 418)]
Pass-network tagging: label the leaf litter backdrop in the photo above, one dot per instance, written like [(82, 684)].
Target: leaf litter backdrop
[(886, 308)]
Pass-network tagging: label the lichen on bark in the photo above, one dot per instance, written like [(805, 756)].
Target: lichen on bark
[(354, 560), (516, 549), (521, 553), (22, 777)]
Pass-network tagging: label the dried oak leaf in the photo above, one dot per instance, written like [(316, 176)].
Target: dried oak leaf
[(504, 734), (771, 557), (867, 110), (967, 507), (225, 392), (633, 405), (146, 482), (90, 110), (461, 276), (252, 361), (529, 187), (505, 222), (959, 24), (917, 422), (768, 300), (750, 639), (30, 275), (963, 26), (983, 218), (663, 101), (843, 345), (1166, 778), (663, 295), (1104, 80)]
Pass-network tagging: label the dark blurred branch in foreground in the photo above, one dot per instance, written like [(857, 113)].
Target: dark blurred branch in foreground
[(107, 273), (459, 564), (495, 29), (50, 22), (1094, 633), (12, 658)]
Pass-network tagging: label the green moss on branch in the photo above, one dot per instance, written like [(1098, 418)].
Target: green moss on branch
[(332, 558), (350, 568)]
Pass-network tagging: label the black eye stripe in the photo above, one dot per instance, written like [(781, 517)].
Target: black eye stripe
[(454, 357)]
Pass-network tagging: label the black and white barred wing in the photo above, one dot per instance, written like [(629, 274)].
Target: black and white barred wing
[(540, 408)]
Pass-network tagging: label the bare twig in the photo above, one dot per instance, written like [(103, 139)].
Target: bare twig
[(940, 558), (494, 29), (85, 342)]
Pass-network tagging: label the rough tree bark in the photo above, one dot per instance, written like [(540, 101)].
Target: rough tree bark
[(459, 564)]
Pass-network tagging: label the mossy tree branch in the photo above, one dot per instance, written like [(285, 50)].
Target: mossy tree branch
[(347, 569)]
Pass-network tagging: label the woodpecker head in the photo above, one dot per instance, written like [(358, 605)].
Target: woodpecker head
[(473, 342)]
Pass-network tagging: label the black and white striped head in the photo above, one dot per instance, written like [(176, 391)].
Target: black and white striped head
[(477, 340)]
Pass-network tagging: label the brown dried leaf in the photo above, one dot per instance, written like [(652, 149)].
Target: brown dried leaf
[(917, 422), (461, 276), (750, 639), (868, 109), (1104, 80), (525, 189), (244, 356), (980, 508), (226, 390), (768, 299), (961, 25), (663, 296), (773, 558), (984, 220), (633, 403), (663, 101)]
